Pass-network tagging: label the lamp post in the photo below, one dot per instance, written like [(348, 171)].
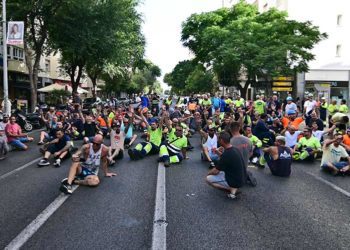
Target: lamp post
[(4, 58)]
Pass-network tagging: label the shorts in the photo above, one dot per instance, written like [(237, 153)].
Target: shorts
[(85, 172), (218, 179), (19, 143), (338, 165), (52, 148)]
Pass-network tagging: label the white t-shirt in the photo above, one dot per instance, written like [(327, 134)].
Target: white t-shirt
[(292, 139), (117, 140), (318, 134), (309, 105), (332, 154), (211, 143)]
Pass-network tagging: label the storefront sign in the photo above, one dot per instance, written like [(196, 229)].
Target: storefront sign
[(282, 84), (282, 89), (283, 78)]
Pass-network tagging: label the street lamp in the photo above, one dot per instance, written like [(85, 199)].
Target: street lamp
[(4, 58)]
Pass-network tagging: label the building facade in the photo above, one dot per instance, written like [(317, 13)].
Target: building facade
[(329, 73)]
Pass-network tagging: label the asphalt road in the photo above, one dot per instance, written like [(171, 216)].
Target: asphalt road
[(309, 210)]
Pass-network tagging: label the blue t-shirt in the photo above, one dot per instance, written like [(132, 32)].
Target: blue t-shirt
[(62, 142)]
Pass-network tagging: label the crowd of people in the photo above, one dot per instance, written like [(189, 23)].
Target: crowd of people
[(233, 133)]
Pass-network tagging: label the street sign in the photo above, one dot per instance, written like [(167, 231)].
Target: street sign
[(283, 78), (282, 84), (282, 89)]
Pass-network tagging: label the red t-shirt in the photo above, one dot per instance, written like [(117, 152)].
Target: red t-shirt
[(13, 129)]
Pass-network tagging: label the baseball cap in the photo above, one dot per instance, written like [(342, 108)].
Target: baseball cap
[(323, 98), (289, 98), (291, 112), (187, 112)]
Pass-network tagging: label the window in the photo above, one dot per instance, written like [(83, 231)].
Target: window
[(18, 54), (339, 20), (47, 65), (338, 53)]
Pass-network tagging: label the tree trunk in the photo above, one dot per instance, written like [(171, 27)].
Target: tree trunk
[(94, 84), (243, 90), (75, 81), (33, 76)]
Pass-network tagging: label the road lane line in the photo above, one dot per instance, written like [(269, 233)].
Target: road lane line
[(159, 223), (339, 189), (34, 226), (19, 169)]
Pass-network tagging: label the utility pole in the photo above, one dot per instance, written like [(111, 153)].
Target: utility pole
[(4, 58)]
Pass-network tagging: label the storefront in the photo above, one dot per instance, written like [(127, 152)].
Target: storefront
[(334, 90)]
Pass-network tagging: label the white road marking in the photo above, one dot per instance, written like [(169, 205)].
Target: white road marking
[(335, 187), (19, 169), (159, 223), (34, 226)]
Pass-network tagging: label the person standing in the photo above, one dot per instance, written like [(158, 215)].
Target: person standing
[(323, 109), (225, 175)]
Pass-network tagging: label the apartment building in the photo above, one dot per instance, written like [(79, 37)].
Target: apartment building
[(329, 73)]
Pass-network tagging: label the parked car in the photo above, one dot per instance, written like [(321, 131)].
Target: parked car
[(123, 101), (88, 103)]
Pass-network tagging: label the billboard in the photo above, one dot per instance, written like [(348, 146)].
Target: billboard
[(15, 33)]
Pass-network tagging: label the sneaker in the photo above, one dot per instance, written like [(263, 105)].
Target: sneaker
[(211, 165), (231, 196), (255, 160), (251, 179), (43, 163), (57, 163), (40, 143), (131, 154), (167, 163), (66, 188)]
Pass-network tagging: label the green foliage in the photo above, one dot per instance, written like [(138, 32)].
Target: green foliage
[(190, 77), (240, 42), (57, 96), (92, 34)]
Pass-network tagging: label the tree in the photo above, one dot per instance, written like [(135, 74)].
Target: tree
[(103, 27), (37, 16), (241, 44), (201, 81), (178, 77)]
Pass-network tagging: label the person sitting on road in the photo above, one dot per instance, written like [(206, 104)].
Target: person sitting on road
[(292, 120), (128, 128), (210, 146), (153, 141), (15, 137), (318, 133), (346, 141), (307, 147), (333, 152), (317, 120), (90, 128), (292, 135), (3, 139), (173, 151), (278, 158), (50, 135), (225, 175), (86, 163), (58, 147), (116, 150), (48, 118), (256, 142)]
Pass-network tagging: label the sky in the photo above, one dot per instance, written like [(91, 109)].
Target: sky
[(162, 29)]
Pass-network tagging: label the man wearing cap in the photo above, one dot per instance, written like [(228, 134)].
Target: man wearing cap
[(292, 120), (310, 104), (290, 105), (278, 158), (333, 152)]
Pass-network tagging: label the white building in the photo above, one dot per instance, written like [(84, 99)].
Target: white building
[(329, 73)]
